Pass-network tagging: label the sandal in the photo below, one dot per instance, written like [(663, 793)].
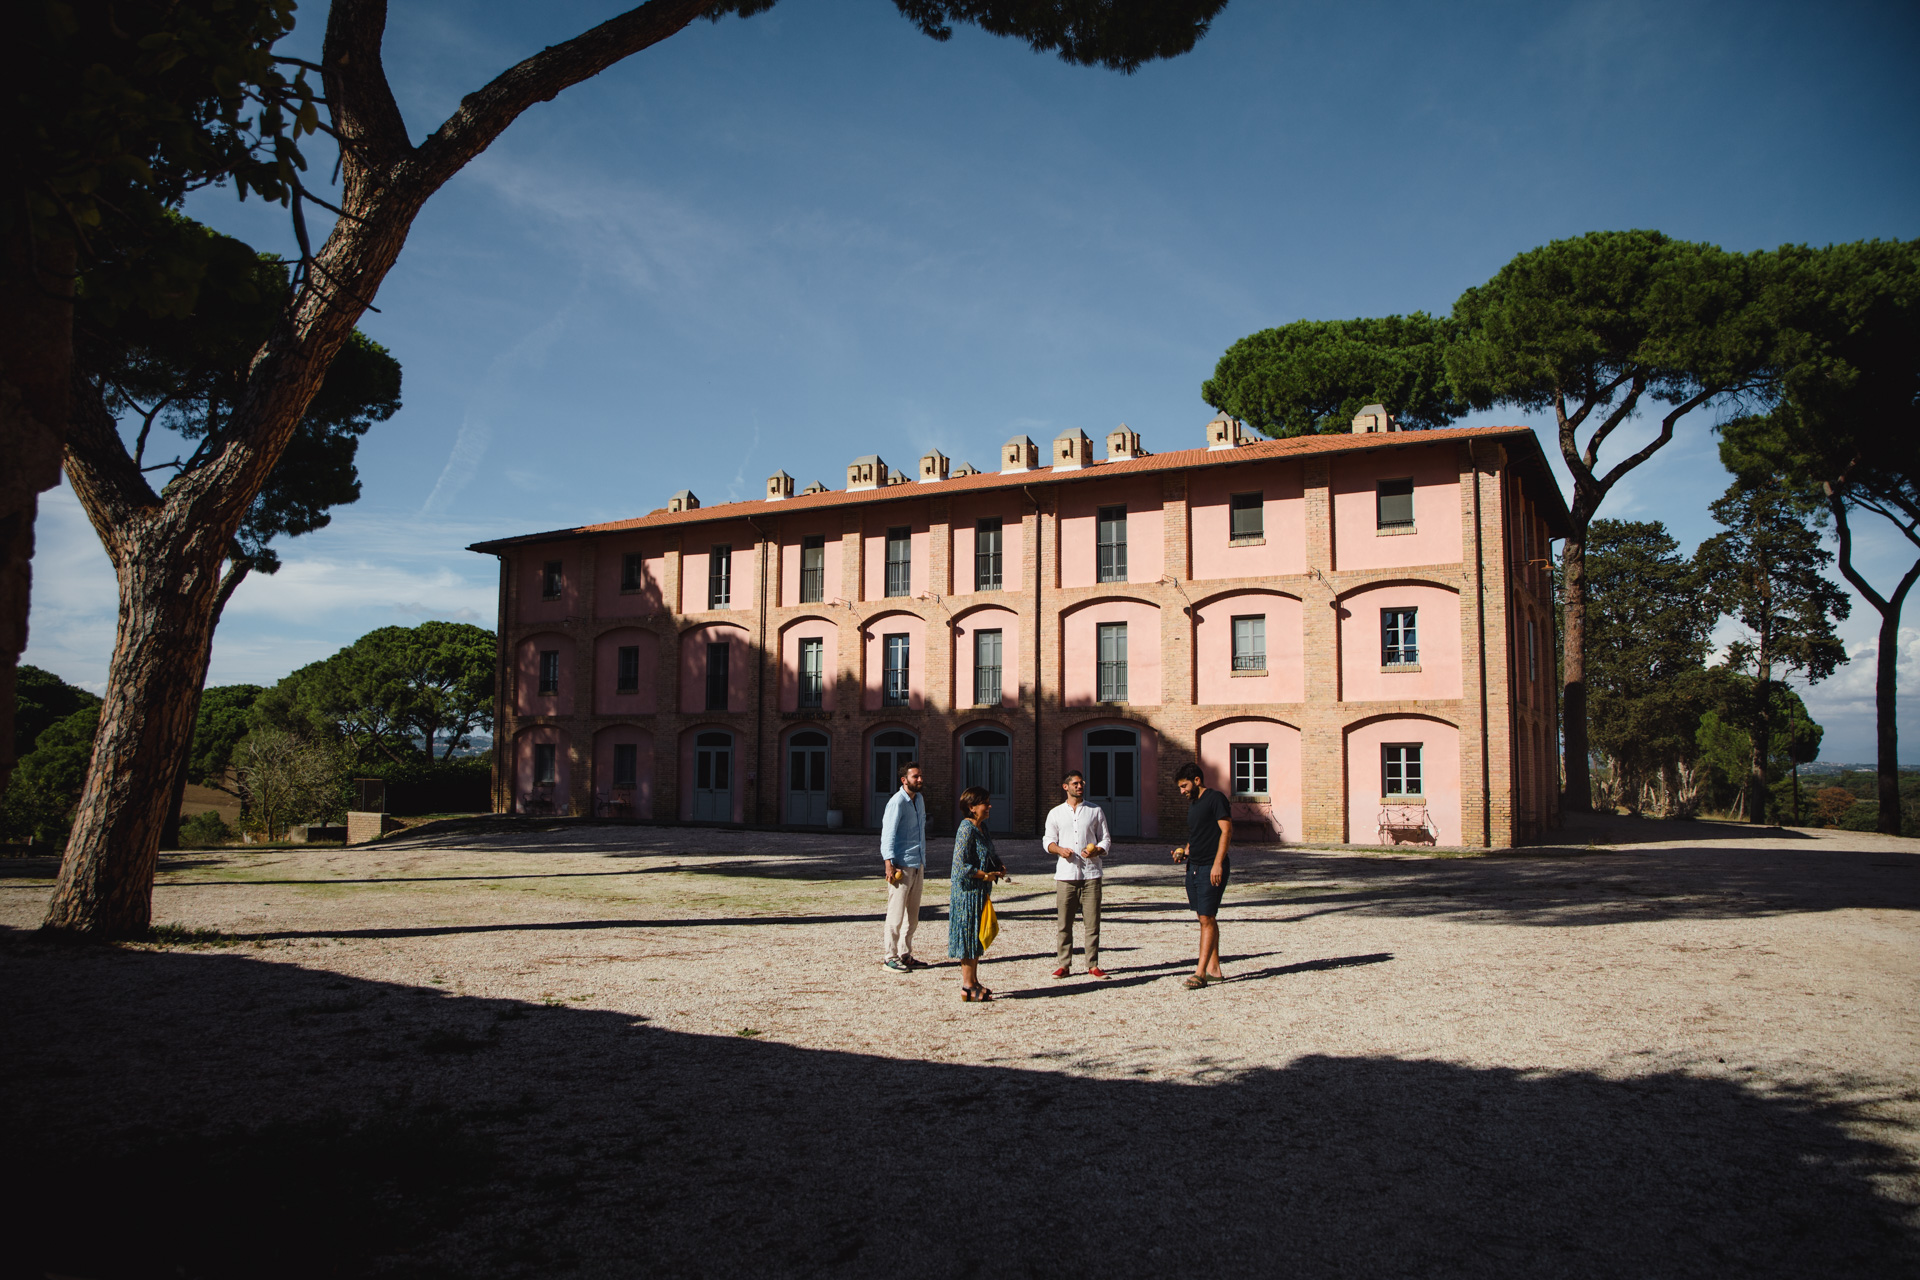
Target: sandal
[(1197, 981), (982, 993)]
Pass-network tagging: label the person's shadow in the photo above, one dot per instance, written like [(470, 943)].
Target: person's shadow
[(208, 1113)]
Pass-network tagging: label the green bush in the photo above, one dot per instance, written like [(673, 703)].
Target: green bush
[(204, 830)]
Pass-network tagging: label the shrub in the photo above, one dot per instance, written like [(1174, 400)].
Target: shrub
[(204, 830)]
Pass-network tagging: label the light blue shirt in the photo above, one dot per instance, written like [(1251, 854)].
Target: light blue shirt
[(903, 831)]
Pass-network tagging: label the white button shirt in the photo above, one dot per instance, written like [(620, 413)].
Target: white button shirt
[(1072, 828)]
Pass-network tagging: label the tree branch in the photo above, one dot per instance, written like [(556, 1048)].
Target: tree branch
[(1614, 419), (110, 487), (1666, 434)]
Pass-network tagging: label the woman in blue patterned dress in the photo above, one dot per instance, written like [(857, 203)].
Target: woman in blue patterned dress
[(972, 886)]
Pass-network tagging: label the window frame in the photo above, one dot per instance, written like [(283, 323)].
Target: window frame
[(719, 675), (896, 682), (812, 684), (899, 571), (629, 753), (1256, 770), (1110, 553), (1388, 765), (1237, 504), (813, 578), (1111, 678), (548, 683), (553, 579), (1380, 495), (1400, 639), (720, 576), (988, 567), (546, 753), (997, 667), (1238, 657), (633, 572), (623, 680)]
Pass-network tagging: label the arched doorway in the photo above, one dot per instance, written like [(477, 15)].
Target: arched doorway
[(891, 749), (988, 756), (1113, 777), (713, 777), (807, 778)]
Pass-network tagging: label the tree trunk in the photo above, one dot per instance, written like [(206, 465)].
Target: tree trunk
[(1573, 648), (1885, 705), (168, 580), (1762, 732), (170, 833), (36, 368)]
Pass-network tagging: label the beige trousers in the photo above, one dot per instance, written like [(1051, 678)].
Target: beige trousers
[(903, 913), (1083, 895)]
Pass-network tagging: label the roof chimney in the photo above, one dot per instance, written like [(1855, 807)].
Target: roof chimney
[(683, 501), (815, 487), (933, 466), (1123, 444), (965, 469), (866, 472), (779, 485), (1072, 450), (1018, 454), (1225, 433), (1373, 418)]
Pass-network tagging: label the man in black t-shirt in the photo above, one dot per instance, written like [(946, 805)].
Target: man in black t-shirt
[(1209, 835)]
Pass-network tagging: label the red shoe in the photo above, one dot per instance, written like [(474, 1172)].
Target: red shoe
[(1062, 971), (1097, 972)]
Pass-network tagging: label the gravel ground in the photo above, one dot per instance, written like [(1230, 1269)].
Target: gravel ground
[(528, 1049)]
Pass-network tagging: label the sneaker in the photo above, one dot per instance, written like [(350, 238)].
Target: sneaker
[(1095, 971), (898, 967), (914, 963), (1062, 971)]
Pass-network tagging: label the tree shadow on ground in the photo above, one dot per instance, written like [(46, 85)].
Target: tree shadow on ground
[(209, 1113)]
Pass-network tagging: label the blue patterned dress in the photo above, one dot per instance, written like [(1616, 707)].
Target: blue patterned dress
[(968, 897)]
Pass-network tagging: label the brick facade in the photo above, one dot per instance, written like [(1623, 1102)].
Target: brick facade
[(1496, 720)]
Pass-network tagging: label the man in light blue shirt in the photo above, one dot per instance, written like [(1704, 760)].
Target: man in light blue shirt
[(903, 843)]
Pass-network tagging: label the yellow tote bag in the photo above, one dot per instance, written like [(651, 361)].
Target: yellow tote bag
[(989, 925)]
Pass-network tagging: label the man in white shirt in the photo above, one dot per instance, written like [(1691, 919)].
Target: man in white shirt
[(1077, 838)]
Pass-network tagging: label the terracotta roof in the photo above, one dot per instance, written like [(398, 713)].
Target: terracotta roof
[(1528, 453)]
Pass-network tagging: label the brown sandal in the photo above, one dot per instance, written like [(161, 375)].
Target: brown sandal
[(1197, 981)]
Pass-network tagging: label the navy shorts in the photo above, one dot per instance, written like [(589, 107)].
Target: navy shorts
[(1203, 895)]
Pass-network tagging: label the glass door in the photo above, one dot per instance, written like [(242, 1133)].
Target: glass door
[(713, 777), (807, 778), (890, 750), (1113, 777), (988, 758)]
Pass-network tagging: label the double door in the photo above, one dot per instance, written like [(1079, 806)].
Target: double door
[(1113, 777), (988, 761), (807, 778), (713, 777)]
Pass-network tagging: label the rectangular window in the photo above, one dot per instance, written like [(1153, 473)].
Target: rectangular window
[(633, 572), (627, 677), (543, 764), (1394, 504), (626, 764), (894, 672), (1249, 517), (813, 569), (1113, 662), (551, 580), (1250, 643), (1399, 637), (900, 562), (717, 655), (1250, 769), (986, 668), (720, 577), (549, 671), (986, 555), (813, 672), (1113, 544), (1400, 769)]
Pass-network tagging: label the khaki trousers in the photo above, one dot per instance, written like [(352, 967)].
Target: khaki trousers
[(1084, 896), (903, 913)]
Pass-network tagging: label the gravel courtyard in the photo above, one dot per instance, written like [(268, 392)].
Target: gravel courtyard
[(530, 1049)]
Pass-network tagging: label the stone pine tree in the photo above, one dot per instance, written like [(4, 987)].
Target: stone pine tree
[(180, 379), (1764, 573), (1847, 430), (167, 547), (1597, 330), (1648, 622), (1315, 375)]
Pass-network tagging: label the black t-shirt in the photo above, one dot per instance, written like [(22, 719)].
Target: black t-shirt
[(1204, 817)]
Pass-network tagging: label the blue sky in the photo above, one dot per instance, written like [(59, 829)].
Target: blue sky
[(786, 241)]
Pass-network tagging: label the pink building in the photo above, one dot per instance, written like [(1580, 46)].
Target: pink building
[(1351, 633)]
